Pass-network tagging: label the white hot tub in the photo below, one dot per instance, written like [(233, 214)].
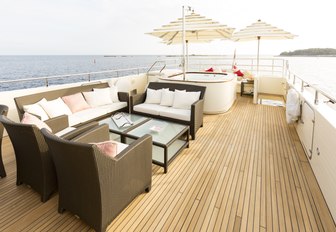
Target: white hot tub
[(220, 93)]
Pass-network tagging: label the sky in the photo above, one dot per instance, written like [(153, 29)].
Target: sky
[(118, 27)]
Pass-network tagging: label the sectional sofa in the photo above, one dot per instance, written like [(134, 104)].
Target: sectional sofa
[(81, 104)]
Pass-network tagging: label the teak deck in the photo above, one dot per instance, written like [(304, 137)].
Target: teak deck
[(246, 171)]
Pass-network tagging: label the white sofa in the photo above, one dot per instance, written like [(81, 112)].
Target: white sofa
[(179, 103), (96, 111)]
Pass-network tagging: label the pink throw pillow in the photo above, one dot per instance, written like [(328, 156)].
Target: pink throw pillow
[(31, 119), (108, 148), (76, 102)]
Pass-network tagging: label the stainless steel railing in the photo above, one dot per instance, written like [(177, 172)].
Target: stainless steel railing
[(88, 76), (319, 94)]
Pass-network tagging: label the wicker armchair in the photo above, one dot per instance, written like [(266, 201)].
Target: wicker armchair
[(3, 111), (34, 164), (96, 187)]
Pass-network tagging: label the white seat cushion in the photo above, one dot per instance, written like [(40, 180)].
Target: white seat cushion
[(64, 131), (180, 114), (88, 114), (113, 107), (153, 109), (85, 115), (120, 146)]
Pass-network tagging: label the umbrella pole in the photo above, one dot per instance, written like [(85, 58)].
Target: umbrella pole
[(256, 82), (258, 55), (187, 55), (183, 43)]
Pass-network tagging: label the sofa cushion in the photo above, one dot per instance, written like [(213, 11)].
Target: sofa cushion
[(113, 107), (167, 97), (76, 102), (55, 108), (153, 96), (89, 114), (184, 100), (85, 115), (37, 109), (153, 109), (113, 92), (98, 98), (180, 114), (32, 120)]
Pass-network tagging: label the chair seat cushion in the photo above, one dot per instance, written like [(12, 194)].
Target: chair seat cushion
[(111, 148), (32, 120), (64, 131)]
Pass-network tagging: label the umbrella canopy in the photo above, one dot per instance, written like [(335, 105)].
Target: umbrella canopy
[(197, 29), (261, 30)]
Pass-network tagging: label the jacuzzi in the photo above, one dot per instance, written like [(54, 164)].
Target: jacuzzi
[(220, 93)]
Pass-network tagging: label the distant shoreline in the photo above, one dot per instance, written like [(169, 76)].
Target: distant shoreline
[(311, 52)]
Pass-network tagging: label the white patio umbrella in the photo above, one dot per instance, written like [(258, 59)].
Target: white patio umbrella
[(261, 30), (257, 31), (190, 29)]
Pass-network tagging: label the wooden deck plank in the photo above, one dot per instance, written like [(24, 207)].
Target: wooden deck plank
[(246, 171)]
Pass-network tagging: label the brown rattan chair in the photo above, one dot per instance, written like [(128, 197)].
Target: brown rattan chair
[(34, 164), (3, 111), (94, 186)]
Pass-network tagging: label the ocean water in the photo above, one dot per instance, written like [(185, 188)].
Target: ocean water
[(22, 67), (319, 71)]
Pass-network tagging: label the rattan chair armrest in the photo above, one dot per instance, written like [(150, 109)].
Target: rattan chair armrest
[(58, 123), (94, 135)]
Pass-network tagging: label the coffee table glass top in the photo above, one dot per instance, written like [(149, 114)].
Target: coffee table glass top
[(162, 132), (119, 124)]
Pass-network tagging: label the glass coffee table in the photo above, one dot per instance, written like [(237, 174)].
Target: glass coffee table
[(118, 125), (169, 139)]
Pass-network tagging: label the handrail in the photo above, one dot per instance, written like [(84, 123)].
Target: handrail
[(156, 62), (317, 90), (47, 79)]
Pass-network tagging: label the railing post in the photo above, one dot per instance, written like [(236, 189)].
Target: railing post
[(316, 101), (89, 77), (294, 79), (46, 82), (302, 85)]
